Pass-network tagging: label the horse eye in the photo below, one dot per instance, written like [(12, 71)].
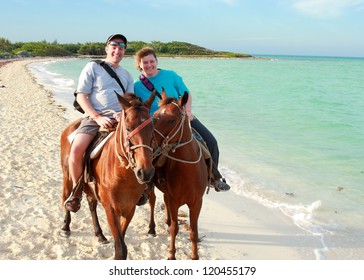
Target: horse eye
[(156, 118), (172, 121)]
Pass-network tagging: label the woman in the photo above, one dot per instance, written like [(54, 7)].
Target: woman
[(147, 62)]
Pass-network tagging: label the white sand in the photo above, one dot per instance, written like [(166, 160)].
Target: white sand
[(231, 227)]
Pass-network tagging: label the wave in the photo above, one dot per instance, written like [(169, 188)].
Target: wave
[(302, 215), (55, 81)]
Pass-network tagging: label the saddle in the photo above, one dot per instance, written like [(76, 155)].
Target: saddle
[(94, 150), (205, 153)]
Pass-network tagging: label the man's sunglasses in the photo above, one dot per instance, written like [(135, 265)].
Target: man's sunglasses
[(120, 44)]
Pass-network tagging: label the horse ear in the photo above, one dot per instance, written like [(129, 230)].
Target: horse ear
[(123, 102), (148, 103), (164, 94), (182, 102)]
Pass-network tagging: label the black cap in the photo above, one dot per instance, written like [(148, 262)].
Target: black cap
[(114, 36)]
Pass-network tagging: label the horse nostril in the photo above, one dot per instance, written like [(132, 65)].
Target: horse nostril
[(145, 176), (140, 173)]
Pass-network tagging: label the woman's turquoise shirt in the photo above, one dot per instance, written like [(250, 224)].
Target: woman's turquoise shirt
[(171, 82)]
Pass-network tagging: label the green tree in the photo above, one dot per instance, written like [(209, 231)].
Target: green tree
[(5, 45), (92, 49), (73, 48), (159, 46), (135, 46), (42, 49)]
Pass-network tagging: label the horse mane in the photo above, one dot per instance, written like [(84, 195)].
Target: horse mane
[(167, 101), (133, 100), (130, 97)]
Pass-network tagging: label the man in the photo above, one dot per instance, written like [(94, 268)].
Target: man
[(96, 95)]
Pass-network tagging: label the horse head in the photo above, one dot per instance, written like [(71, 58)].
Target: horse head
[(169, 119), (135, 134)]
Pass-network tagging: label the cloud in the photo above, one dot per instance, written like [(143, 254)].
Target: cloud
[(229, 2), (187, 3), (326, 8)]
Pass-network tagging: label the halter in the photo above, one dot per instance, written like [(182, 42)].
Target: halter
[(166, 147), (125, 142)]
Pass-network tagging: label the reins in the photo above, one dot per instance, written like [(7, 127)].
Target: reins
[(167, 147)]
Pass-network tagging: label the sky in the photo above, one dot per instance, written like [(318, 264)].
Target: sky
[(279, 27)]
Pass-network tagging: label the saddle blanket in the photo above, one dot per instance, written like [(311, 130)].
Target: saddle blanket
[(96, 151)]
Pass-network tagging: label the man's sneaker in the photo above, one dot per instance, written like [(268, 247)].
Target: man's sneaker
[(220, 185), (72, 204)]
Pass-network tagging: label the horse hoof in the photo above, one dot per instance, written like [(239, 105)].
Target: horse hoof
[(152, 232), (104, 241), (65, 233)]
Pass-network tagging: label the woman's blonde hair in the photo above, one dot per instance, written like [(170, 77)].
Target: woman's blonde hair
[(142, 53)]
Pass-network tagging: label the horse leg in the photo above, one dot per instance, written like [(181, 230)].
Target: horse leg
[(166, 206), (65, 230), (173, 229), (194, 214), (121, 251), (125, 221), (66, 190), (92, 205), (152, 199)]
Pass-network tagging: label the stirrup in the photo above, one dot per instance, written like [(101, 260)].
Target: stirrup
[(143, 200), (145, 197)]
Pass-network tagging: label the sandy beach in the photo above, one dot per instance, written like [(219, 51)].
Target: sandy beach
[(230, 226)]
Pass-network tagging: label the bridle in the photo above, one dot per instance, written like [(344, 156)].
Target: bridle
[(166, 147), (126, 146)]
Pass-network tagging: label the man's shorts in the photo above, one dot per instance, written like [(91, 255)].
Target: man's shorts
[(88, 126)]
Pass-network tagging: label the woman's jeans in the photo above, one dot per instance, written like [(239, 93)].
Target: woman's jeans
[(210, 142)]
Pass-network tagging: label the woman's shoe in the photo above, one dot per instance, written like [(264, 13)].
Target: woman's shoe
[(220, 185)]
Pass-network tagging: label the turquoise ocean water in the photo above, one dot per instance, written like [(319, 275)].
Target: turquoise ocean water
[(290, 132)]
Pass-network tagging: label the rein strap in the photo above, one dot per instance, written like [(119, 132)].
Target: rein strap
[(139, 128)]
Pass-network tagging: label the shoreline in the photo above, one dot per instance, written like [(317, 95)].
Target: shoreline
[(230, 226)]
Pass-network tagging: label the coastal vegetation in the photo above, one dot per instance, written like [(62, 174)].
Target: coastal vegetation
[(44, 48)]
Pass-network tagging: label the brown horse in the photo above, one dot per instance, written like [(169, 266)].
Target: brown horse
[(119, 174), (181, 171)]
